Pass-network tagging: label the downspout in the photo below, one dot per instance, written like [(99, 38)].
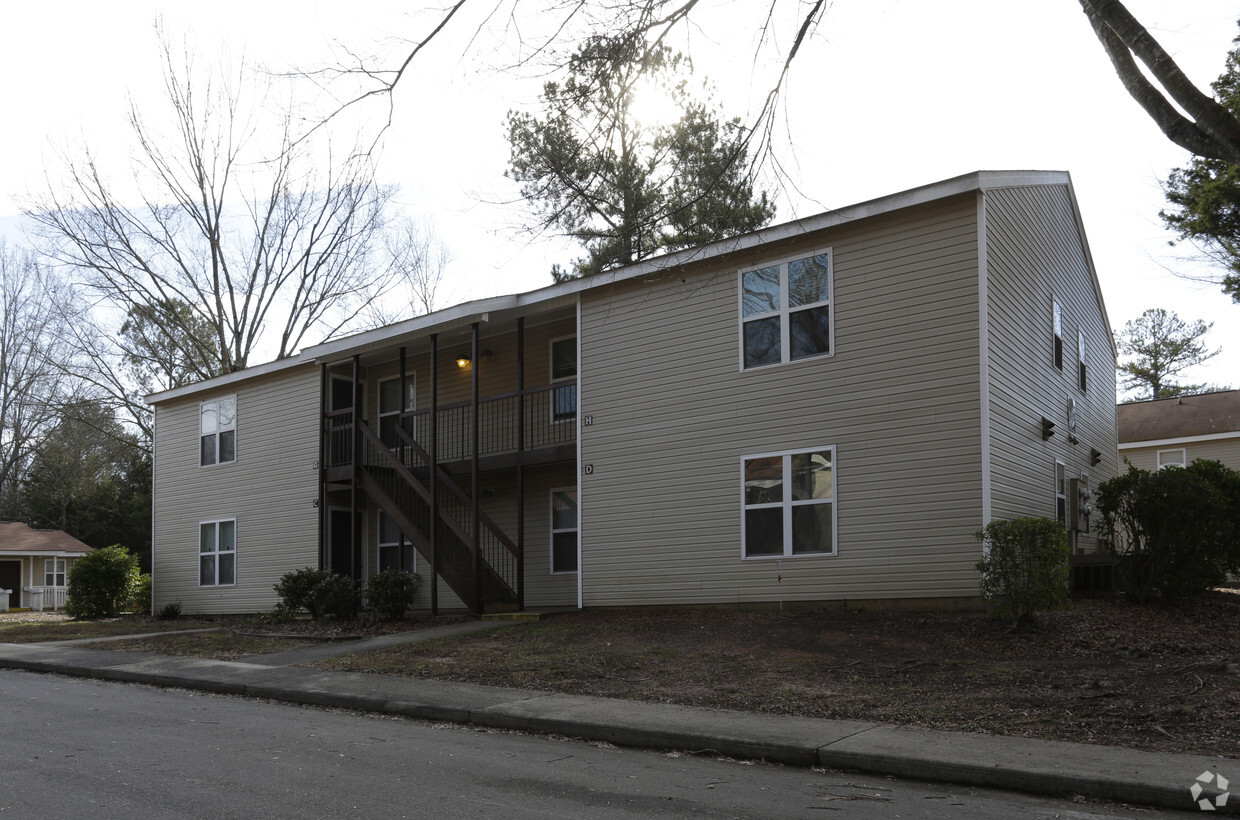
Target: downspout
[(473, 466), (355, 522), (400, 549), (324, 432), (433, 452), (521, 463), (154, 484)]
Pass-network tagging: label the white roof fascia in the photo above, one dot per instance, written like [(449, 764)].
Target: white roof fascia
[(1163, 442), (225, 380)]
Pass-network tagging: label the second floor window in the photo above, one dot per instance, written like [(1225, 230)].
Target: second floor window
[(1057, 329), (217, 431), (786, 311), (1080, 358)]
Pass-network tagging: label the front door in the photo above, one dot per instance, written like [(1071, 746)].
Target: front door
[(11, 579)]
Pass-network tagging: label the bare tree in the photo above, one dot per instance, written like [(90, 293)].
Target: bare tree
[(264, 246), (33, 360), (780, 29), (1189, 117), (419, 260)]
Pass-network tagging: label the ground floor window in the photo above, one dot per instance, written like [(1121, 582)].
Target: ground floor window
[(217, 553), (564, 530), (54, 572), (391, 548), (1061, 492), (789, 503)]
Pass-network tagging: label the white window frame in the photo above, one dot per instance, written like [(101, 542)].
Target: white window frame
[(575, 529), (1056, 335), (58, 570), (784, 311), (787, 504), (217, 552), (562, 418), (1183, 462), (219, 430), (398, 544)]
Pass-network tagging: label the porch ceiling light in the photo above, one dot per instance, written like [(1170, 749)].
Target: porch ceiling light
[(462, 361)]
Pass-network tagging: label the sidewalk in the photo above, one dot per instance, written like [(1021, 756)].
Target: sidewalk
[(1036, 766)]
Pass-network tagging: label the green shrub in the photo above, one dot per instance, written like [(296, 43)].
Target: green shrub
[(169, 611), (1025, 568), (319, 592), (390, 593), (100, 582), (1174, 532), (141, 601)]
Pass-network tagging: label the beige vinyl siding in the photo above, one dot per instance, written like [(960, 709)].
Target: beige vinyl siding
[(1034, 256), (1226, 450), (673, 415), (270, 490)]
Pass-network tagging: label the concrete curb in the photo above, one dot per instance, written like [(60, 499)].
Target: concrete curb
[(1019, 764)]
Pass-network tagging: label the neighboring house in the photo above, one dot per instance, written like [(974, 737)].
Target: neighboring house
[(821, 411), (1164, 432), (34, 565)]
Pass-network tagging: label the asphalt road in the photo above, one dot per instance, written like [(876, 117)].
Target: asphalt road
[(85, 748)]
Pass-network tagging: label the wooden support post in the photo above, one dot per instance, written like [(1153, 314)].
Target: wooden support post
[(400, 422), (324, 433)]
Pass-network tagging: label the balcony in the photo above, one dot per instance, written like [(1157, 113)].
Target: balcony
[(532, 426)]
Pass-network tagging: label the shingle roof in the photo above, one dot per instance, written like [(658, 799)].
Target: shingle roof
[(17, 537), (1202, 415)]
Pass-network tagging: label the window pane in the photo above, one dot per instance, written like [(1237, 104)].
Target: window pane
[(764, 531), (762, 342), (228, 446), (389, 396), (228, 536), (764, 480), (811, 528), (411, 393), (565, 399), (206, 570), (811, 332), (564, 358), (228, 568), (208, 450), (388, 558), (389, 533), (564, 510), (228, 413), (564, 552), (811, 476), (208, 418), (808, 282), (760, 291), (1055, 319), (206, 538)]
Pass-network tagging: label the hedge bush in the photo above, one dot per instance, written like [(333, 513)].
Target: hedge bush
[(319, 592), (1174, 532), (1025, 568), (390, 593), (100, 582)]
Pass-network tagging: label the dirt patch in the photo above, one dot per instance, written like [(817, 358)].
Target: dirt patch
[(1109, 672)]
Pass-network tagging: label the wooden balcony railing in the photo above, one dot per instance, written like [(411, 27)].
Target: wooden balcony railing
[(525, 420)]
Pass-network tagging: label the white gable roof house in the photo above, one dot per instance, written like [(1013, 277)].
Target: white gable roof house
[(820, 412)]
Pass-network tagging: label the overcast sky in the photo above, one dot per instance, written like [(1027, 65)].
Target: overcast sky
[(889, 95)]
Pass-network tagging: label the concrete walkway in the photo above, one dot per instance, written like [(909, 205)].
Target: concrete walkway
[(1037, 766)]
